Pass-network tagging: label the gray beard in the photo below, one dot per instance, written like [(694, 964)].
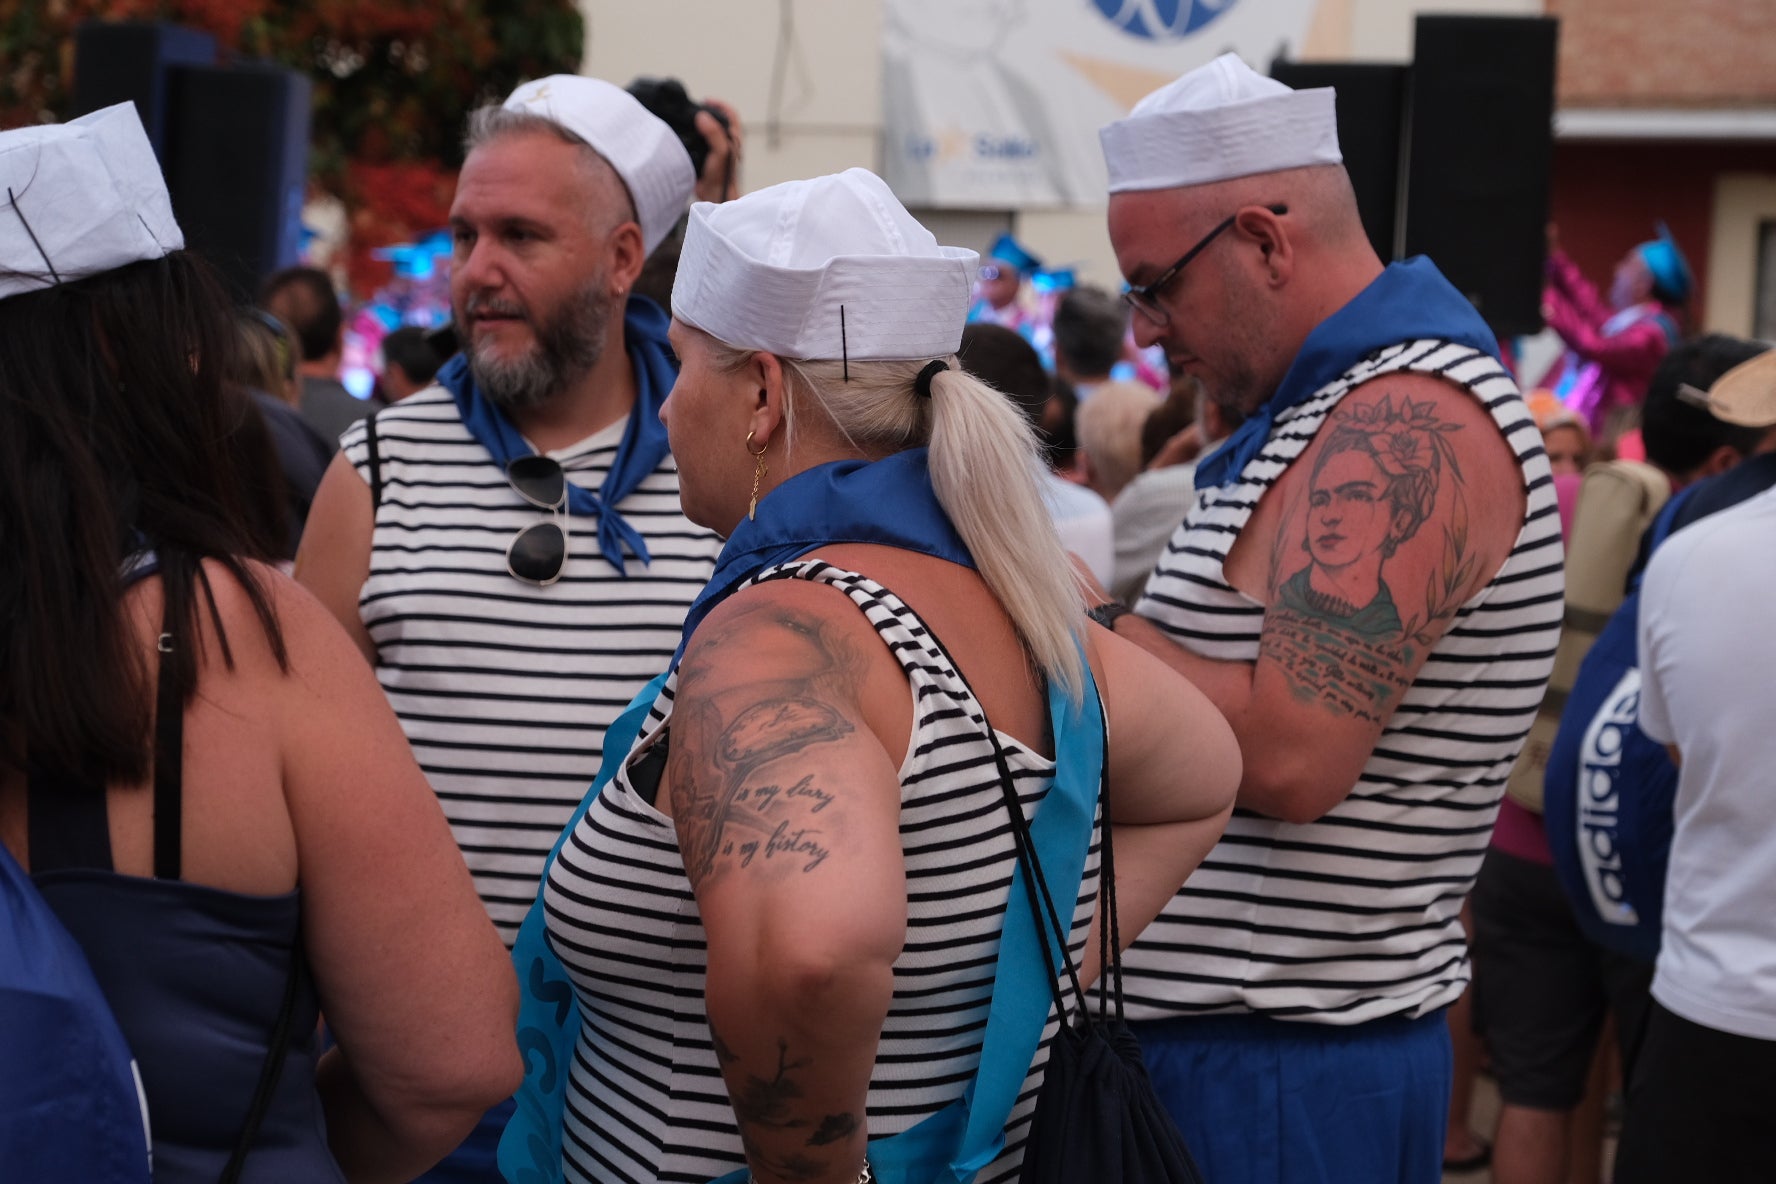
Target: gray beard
[(568, 344)]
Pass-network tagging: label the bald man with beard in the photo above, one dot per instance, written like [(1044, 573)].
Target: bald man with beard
[(1368, 585)]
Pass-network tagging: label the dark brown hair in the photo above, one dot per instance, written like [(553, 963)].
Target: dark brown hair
[(116, 433)]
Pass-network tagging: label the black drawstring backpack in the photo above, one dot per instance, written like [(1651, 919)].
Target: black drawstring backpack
[(1097, 1118)]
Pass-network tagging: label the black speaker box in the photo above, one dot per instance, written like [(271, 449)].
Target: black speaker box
[(237, 166), (1481, 147), (1371, 121), (130, 62)]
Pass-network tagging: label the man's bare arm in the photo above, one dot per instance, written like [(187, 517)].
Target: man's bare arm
[(1403, 507), (334, 559)]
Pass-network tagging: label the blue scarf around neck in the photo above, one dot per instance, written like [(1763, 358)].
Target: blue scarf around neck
[(644, 443), (1407, 301), (889, 501)]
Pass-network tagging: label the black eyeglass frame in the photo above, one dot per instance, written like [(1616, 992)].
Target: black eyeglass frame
[(1144, 298), (558, 520)]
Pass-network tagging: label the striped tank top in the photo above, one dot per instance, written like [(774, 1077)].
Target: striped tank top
[(1356, 916), (645, 1099), (503, 688)]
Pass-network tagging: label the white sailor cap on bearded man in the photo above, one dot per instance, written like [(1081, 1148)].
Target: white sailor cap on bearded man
[(645, 152), (1217, 122), (80, 198), (827, 269)]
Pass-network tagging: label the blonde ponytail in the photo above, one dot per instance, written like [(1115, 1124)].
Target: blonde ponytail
[(987, 473)]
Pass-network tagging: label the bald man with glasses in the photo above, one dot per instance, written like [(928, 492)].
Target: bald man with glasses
[(1368, 585)]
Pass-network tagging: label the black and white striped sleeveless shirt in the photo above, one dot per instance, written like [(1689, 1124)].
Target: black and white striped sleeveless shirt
[(504, 689), (1355, 916), (645, 1098)]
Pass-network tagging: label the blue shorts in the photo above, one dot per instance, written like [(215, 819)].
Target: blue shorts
[(1261, 1101), (476, 1160)]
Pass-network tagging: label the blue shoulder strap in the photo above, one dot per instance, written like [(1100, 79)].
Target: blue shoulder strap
[(948, 1147), (70, 1099)]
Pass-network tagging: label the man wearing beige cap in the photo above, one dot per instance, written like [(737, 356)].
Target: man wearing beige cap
[(507, 546), (1698, 1100), (1368, 585)]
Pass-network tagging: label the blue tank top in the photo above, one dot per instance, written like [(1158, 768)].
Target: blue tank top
[(196, 977)]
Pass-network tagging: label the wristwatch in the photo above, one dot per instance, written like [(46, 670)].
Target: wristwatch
[(1106, 614)]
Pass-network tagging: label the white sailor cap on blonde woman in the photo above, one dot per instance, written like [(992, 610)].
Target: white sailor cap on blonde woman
[(830, 269), (865, 311)]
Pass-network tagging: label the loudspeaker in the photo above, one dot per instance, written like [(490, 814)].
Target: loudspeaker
[(237, 166), (130, 62), (1371, 124), (1481, 147)]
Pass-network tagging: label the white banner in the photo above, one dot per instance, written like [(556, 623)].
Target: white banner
[(997, 103)]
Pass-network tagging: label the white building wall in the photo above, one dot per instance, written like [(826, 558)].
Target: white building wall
[(806, 76)]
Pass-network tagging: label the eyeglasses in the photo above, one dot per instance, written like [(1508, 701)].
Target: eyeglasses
[(538, 553), (1145, 299)]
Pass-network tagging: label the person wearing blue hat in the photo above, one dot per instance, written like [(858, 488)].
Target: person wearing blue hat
[(1614, 342), (1001, 282)]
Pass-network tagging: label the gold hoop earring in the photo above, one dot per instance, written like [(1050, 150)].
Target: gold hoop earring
[(758, 475)]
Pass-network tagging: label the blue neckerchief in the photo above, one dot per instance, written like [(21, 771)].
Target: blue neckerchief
[(1407, 301), (889, 502), (644, 439)]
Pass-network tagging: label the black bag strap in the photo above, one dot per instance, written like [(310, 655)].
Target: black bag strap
[(169, 753), (169, 768), (1036, 891), (1109, 929), (375, 459), (271, 1069)]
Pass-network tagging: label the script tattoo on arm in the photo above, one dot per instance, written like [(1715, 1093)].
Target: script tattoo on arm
[(1370, 589), (776, 1136), (740, 799)]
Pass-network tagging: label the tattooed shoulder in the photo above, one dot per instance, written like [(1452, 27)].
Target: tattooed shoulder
[(1374, 554), (763, 700)]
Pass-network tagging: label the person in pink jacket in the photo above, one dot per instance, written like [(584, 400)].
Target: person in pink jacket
[(1615, 342)]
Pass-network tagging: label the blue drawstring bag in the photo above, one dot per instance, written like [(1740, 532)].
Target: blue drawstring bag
[(70, 1104)]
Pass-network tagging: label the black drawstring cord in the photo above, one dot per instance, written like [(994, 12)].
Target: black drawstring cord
[(34, 242)]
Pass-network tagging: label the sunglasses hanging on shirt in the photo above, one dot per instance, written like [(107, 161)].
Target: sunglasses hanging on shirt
[(538, 553)]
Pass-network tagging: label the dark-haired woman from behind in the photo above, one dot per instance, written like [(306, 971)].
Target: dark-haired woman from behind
[(196, 766)]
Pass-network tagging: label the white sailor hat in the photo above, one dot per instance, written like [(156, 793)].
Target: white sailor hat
[(828, 268), (80, 198), (1217, 122), (639, 145)]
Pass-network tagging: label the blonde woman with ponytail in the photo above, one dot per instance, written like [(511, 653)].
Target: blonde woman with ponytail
[(781, 912)]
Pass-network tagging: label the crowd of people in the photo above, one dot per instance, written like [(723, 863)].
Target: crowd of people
[(870, 616)]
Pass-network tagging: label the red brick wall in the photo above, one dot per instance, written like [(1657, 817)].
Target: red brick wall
[(1684, 53), (1606, 198)]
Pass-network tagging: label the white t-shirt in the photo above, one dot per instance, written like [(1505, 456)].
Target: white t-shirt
[(1147, 514), (1707, 650), (1082, 519)]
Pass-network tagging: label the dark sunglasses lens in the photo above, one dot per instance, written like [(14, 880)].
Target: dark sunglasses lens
[(538, 553), (538, 480)]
